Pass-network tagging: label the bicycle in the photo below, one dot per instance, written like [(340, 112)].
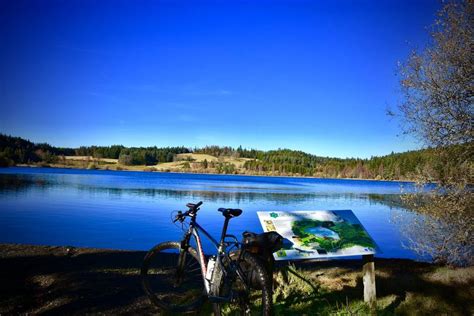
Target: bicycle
[(177, 277)]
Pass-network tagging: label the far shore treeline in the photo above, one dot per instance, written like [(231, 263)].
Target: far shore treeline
[(395, 166)]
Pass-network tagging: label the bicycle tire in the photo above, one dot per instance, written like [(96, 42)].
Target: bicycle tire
[(165, 261), (263, 288)]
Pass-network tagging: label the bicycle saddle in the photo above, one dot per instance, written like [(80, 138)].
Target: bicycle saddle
[(230, 212)]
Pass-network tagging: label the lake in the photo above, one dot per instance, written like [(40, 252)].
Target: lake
[(132, 210)]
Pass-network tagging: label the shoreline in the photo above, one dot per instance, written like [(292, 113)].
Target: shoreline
[(208, 173), (69, 280)]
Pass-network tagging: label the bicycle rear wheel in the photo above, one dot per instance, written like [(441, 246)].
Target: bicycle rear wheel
[(251, 289), (169, 286)]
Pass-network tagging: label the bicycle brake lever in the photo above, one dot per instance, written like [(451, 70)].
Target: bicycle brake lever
[(178, 217)]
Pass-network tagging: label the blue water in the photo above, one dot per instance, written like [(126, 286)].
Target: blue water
[(131, 210), (324, 232)]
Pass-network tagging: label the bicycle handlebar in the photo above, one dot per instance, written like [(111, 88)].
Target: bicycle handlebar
[(193, 208)]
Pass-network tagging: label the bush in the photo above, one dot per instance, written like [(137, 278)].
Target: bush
[(443, 227), (126, 160), (5, 162)]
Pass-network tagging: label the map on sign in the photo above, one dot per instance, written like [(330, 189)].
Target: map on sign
[(318, 234)]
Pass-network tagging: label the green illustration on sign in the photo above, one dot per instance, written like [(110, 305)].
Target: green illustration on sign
[(313, 234), (331, 236)]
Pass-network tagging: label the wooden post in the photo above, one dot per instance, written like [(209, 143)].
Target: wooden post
[(368, 271)]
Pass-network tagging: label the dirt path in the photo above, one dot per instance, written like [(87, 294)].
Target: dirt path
[(64, 280)]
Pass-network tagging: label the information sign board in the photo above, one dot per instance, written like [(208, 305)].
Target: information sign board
[(318, 234)]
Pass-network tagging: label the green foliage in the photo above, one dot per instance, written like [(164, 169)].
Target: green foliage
[(217, 151), (126, 160), (349, 234), (18, 150), (352, 235), (133, 155), (396, 166), (14, 150), (5, 161), (139, 155), (391, 167), (226, 168)]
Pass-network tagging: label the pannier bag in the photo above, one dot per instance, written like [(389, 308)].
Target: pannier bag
[(262, 246)]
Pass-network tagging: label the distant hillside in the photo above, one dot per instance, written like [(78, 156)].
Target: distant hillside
[(16, 150), (396, 166), (216, 159)]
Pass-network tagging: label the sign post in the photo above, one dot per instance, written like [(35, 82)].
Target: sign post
[(324, 234), (368, 278)]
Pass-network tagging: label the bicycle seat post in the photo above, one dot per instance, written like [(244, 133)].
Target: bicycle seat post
[(224, 233), (228, 213)]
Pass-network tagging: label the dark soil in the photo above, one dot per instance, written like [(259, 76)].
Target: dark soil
[(68, 280)]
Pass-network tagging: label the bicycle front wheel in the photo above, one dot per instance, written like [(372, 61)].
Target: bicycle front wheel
[(172, 278)]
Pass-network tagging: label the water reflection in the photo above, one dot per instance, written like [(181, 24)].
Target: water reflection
[(130, 210), (18, 184)]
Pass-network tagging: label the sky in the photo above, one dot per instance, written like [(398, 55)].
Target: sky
[(316, 76)]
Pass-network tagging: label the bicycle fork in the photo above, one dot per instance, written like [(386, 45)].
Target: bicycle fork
[(182, 260)]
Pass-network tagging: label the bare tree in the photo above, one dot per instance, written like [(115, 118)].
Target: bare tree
[(437, 85)]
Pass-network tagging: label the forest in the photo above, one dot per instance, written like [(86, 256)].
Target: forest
[(291, 162), (395, 166)]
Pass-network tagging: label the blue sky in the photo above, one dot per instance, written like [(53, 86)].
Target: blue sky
[(315, 76)]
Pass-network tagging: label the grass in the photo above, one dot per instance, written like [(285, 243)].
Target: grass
[(90, 158), (66, 280), (196, 157), (180, 164), (404, 287)]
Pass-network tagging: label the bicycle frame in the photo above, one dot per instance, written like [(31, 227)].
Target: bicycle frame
[(221, 246)]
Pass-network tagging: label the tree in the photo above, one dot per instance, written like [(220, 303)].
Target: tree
[(438, 83), (125, 159), (437, 107)]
